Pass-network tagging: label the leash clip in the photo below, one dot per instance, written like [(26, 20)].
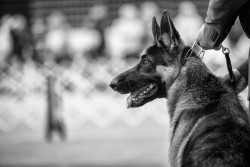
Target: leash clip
[(225, 50)]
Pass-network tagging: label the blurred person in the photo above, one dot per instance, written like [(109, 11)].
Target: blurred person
[(188, 21), (87, 43), (5, 41), (22, 46), (98, 15), (56, 38), (149, 9), (221, 16), (83, 43), (87, 46), (39, 33), (124, 37)]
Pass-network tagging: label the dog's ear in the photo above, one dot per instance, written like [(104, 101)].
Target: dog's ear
[(169, 35), (156, 30)]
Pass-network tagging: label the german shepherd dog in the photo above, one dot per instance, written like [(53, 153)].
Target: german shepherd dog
[(209, 126)]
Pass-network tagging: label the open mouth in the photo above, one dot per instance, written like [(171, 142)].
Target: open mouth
[(143, 95)]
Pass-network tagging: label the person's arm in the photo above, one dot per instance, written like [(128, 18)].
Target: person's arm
[(221, 15)]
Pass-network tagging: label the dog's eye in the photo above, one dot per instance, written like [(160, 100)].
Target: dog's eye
[(145, 62)]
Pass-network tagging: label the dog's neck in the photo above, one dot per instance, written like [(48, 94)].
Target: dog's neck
[(192, 88)]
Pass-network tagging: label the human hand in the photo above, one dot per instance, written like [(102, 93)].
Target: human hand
[(240, 81), (203, 39)]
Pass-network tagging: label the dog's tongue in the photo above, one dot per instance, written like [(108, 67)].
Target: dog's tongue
[(129, 102)]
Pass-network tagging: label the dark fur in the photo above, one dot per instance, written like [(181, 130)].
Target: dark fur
[(209, 127)]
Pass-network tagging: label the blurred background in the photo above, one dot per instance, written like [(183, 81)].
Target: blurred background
[(56, 60)]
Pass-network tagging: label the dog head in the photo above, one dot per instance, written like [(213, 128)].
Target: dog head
[(157, 68)]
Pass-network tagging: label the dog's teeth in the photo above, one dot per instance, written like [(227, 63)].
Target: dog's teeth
[(151, 86)]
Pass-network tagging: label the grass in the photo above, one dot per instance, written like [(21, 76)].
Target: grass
[(93, 147)]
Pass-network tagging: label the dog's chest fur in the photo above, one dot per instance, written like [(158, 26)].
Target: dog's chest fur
[(187, 100), (181, 128)]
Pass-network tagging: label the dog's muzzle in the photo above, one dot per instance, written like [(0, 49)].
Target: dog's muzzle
[(120, 85)]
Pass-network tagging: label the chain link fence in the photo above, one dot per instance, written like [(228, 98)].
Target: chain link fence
[(84, 93)]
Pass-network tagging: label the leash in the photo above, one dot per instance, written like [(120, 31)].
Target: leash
[(225, 51)]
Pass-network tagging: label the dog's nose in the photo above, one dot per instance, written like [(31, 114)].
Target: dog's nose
[(113, 84)]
